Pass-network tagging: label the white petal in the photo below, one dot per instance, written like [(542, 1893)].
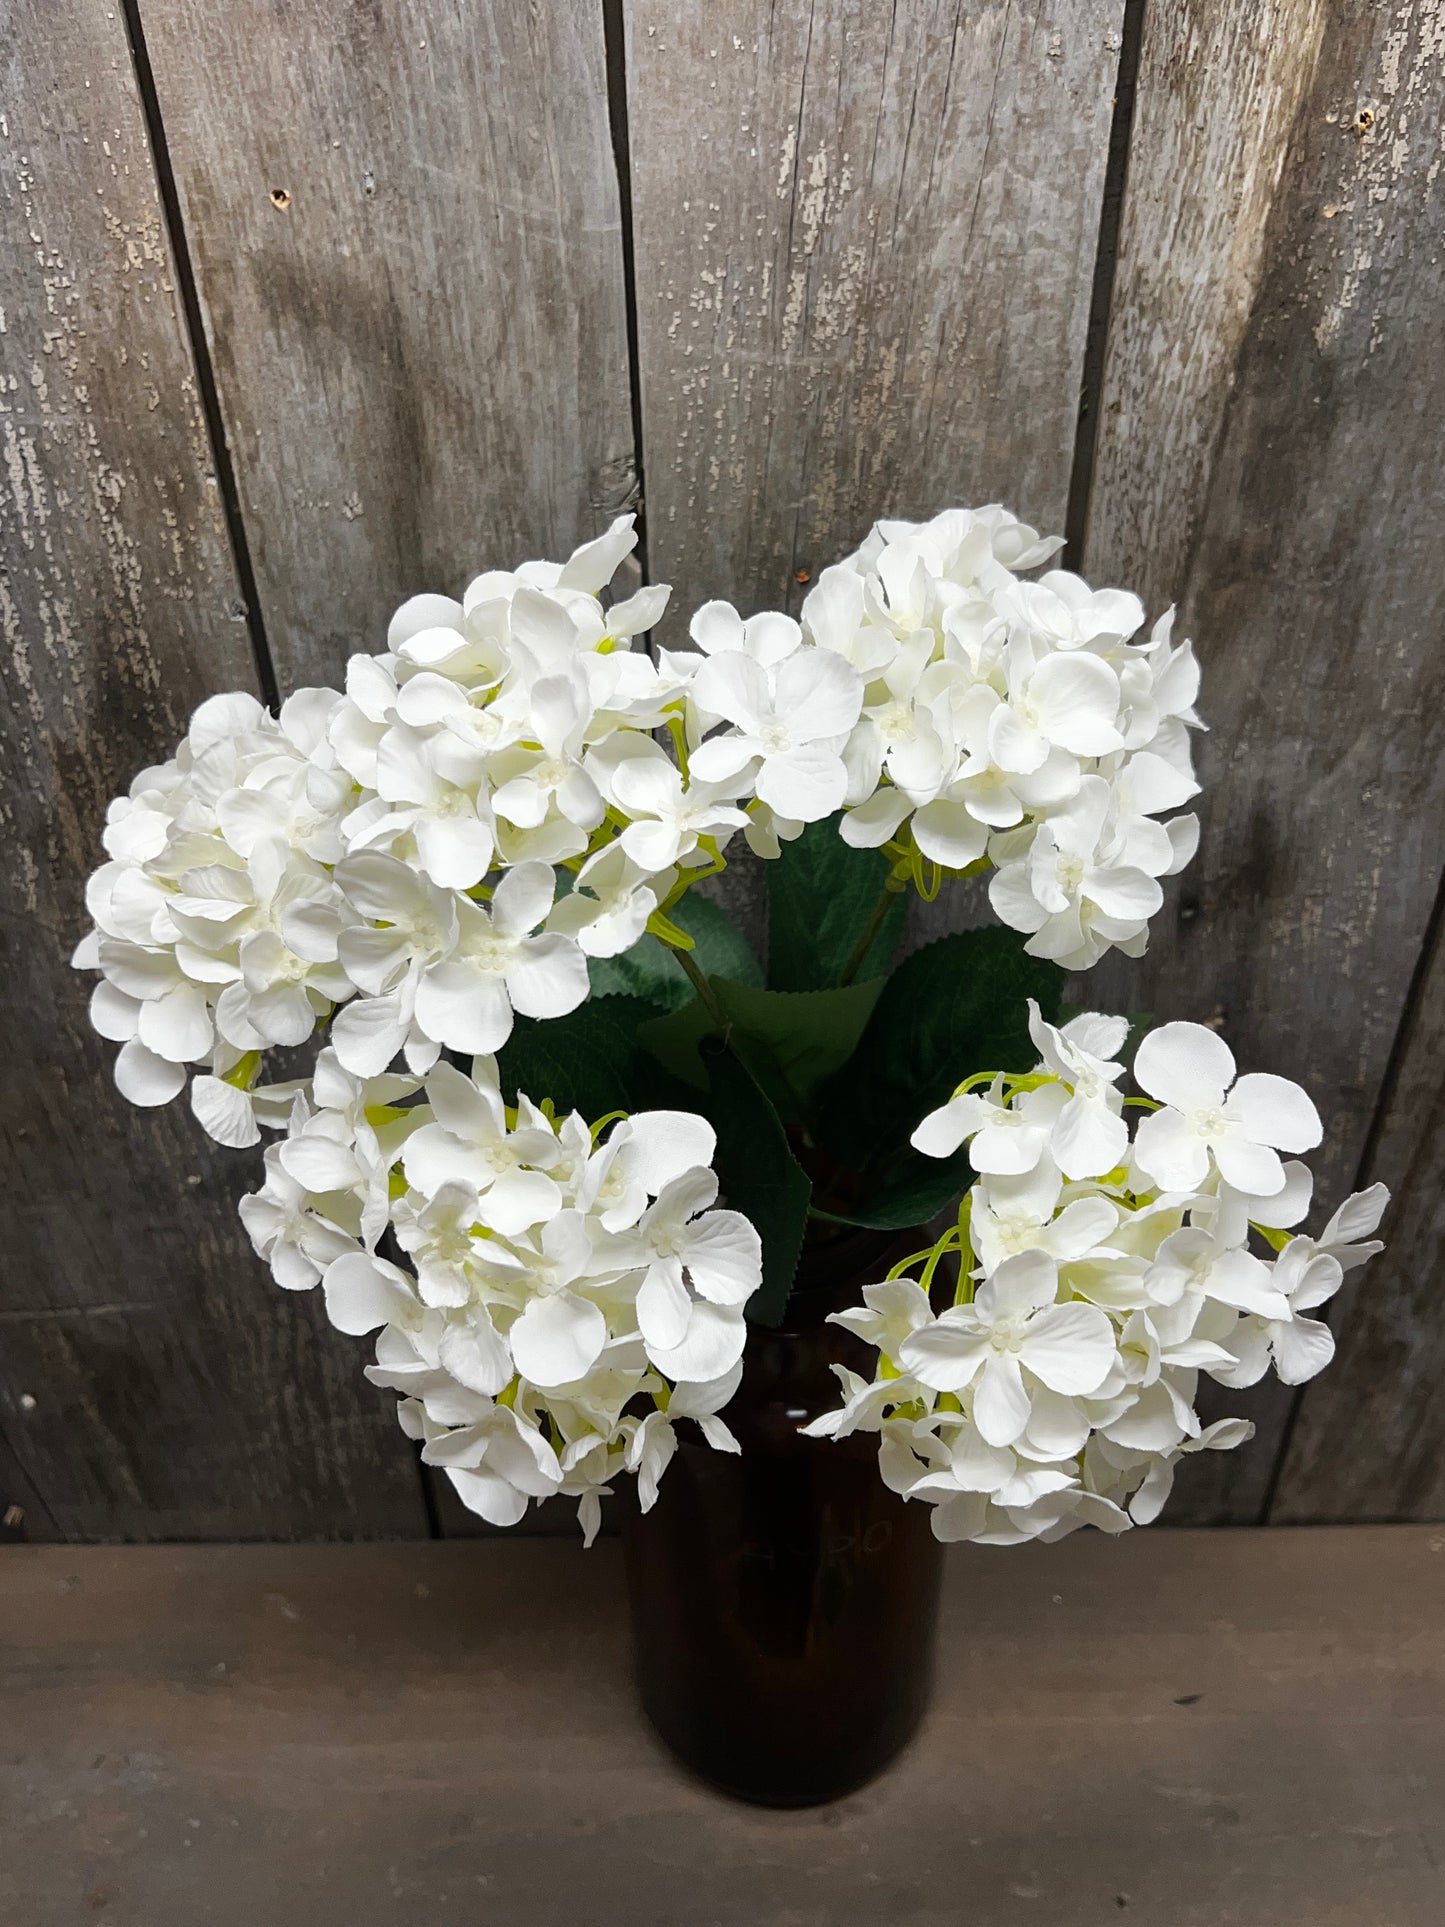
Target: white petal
[(1240, 1279), (455, 851), (807, 783), (1272, 1110), (363, 1292), (1076, 697), (1249, 1167), (488, 1494), (713, 1345), (1088, 1139), (1169, 1152), (942, 1131), (558, 1339), (1070, 1348), (367, 1034), (592, 566), (547, 978), (947, 834), (724, 1257), (318, 1163), (1081, 1226), (1155, 785), (476, 1355), (225, 1113), (420, 612), (517, 1200), (735, 686), (1185, 1065), (523, 898), (1302, 1348), (716, 626), (462, 1006), (944, 1356), (1000, 1403), (875, 819), (640, 612), (1128, 894), (668, 1143), (819, 693), (177, 1025), (145, 1079), (113, 1015), (1183, 834), (1022, 1284), (664, 1305), (1357, 1217)]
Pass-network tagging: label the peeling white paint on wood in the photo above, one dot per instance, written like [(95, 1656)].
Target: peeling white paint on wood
[(151, 1385), (405, 228)]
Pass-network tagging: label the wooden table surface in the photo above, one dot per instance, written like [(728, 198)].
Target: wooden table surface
[(1175, 1729)]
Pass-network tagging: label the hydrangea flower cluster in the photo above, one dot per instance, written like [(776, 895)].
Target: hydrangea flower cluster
[(514, 792), (566, 1296), (1099, 1273), (1014, 724), (390, 858)]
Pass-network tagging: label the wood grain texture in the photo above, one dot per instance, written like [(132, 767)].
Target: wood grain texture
[(151, 1383), (1173, 1730), (865, 246), (1369, 1441), (1309, 563), (1217, 94), (404, 221), (865, 291)]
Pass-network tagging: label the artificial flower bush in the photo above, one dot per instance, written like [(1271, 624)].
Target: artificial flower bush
[(565, 1133)]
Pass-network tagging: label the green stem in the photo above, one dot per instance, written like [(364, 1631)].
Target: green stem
[(870, 931), (703, 988)]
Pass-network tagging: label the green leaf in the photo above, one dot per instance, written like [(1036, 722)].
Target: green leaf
[(674, 1039), (650, 969), (953, 1008), (720, 948), (821, 894), (797, 1036), (913, 1191), (790, 1039), (587, 1061), (759, 1176)]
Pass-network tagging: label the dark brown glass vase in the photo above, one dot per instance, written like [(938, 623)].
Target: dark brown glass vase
[(784, 1601)]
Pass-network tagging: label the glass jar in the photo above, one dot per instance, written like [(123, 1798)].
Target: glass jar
[(783, 1600)]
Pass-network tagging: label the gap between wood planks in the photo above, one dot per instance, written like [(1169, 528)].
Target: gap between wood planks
[(614, 37), (1106, 257), (200, 352)]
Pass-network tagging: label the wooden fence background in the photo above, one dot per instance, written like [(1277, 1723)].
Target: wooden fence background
[(308, 304)]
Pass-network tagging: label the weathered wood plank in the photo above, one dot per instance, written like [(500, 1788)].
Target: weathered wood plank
[(865, 246), (150, 1380), (24, 1515), (404, 221), (1270, 439), (1179, 1729), (1369, 1441), (1215, 103)]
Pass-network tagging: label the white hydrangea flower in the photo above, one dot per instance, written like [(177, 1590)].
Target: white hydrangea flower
[(551, 1281), (383, 864), (1203, 1122), (1099, 1278)]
